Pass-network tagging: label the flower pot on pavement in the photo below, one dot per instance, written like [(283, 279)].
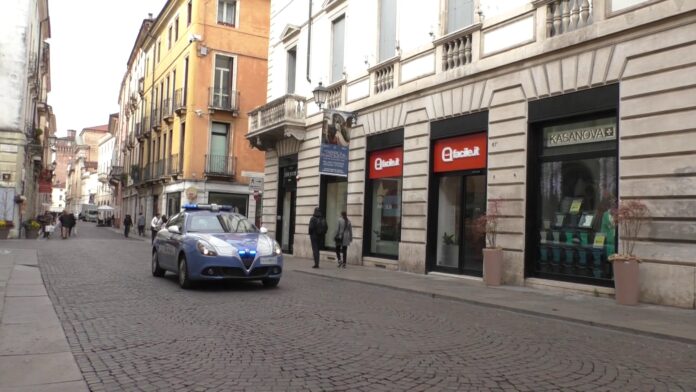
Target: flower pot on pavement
[(32, 234), (492, 266), (626, 280)]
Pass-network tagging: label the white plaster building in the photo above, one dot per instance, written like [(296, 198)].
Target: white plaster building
[(57, 199), (105, 156), (26, 120), (557, 108)]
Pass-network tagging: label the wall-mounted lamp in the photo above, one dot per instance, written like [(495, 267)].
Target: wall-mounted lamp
[(321, 94)]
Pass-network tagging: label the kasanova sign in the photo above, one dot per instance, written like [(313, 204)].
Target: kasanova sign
[(386, 163), (567, 137), (460, 153)]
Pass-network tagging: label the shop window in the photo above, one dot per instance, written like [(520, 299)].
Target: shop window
[(384, 208), (334, 200), (577, 187), (236, 201)]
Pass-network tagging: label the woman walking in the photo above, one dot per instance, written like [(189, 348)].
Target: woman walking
[(344, 236), (127, 223)]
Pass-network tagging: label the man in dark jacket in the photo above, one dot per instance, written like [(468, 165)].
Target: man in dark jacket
[(317, 229)]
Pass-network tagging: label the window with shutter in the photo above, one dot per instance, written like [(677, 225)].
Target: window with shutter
[(460, 13), (338, 36), (387, 29)]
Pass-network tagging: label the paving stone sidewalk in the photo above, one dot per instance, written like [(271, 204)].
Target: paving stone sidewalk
[(658, 321), (34, 353)]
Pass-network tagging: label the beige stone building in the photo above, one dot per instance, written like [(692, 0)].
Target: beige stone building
[(557, 108)]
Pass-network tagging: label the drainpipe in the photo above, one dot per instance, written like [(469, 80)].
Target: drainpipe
[(309, 41)]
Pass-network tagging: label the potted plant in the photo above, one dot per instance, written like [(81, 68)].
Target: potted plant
[(5, 227), (487, 224), (630, 216), (32, 228)]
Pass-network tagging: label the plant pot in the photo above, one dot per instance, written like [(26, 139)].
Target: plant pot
[(627, 280), (32, 234), (492, 266), (450, 255), (4, 232)]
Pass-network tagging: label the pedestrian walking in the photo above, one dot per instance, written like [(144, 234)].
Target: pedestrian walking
[(63, 219), (155, 225), (317, 230), (46, 221), (72, 222), (343, 238), (141, 224), (127, 223)]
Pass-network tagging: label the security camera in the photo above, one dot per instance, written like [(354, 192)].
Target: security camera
[(194, 37)]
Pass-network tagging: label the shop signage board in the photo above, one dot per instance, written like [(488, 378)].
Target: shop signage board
[(335, 138), (386, 163), (580, 133), (255, 184), (467, 152)]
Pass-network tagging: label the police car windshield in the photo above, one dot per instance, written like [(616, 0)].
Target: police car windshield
[(220, 223)]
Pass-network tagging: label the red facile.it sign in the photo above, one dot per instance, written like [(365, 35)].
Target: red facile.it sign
[(387, 163), (460, 153)]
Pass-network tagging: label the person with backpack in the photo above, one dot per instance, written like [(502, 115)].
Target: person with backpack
[(343, 238), (317, 230)]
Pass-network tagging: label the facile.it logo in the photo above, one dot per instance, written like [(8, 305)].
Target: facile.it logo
[(449, 154), (386, 163)]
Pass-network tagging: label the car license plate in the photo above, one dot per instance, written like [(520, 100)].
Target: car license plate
[(269, 261)]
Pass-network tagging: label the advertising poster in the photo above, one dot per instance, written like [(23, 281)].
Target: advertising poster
[(335, 138)]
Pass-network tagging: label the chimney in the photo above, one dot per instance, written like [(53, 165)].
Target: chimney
[(71, 134), (149, 15)]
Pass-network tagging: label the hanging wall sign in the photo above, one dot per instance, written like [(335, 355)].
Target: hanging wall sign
[(387, 163), (335, 138), (460, 153)]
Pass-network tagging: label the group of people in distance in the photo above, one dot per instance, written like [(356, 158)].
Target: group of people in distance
[(66, 221), (156, 224), (343, 237)]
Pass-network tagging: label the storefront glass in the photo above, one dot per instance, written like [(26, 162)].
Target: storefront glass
[(335, 201), (386, 217), (236, 201), (577, 186), (384, 209), (448, 230)]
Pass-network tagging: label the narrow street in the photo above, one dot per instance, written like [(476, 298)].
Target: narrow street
[(130, 331)]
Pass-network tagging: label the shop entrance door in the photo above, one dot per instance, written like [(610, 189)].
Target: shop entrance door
[(285, 219), (461, 200)]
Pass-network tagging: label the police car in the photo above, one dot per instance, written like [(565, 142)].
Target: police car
[(210, 242)]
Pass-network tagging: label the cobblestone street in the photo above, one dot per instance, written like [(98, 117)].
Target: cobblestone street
[(130, 331)]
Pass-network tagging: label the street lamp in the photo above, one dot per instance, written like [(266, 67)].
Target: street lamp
[(321, 93)]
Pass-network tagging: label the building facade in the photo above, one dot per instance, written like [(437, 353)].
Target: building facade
[(26, 120), (105, 194), (82, 178), (552, 109), (193, 74)]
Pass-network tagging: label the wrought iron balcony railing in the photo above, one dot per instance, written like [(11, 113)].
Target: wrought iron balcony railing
[(220, 165), (224, 99), (179, 101), (174, 166), (167, 109)]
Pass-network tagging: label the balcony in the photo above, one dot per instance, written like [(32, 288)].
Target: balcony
[(147, 172), (141, 87), (159, 169), (136, 174), (173, 165), (276, 120), (138, 131), (167, 110), (224, 100), (179, 102), (563, 16), (116, 175), (102, 177), (156, 119), (220, 165)]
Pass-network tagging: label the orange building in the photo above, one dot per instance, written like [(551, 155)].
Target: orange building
[(194, 73)]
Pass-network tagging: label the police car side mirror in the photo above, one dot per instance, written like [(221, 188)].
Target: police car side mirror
[(174, 229), (263, 230)]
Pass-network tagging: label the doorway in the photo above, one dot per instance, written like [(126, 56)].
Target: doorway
[(287, 195), (460, 200)]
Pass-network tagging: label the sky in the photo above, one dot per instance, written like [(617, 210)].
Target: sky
[(90, 44)]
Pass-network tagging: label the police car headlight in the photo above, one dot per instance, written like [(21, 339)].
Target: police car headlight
[(205, 248), (277, 249), (264, 246)]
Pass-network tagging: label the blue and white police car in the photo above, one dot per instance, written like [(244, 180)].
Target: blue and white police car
[(209, 242)]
